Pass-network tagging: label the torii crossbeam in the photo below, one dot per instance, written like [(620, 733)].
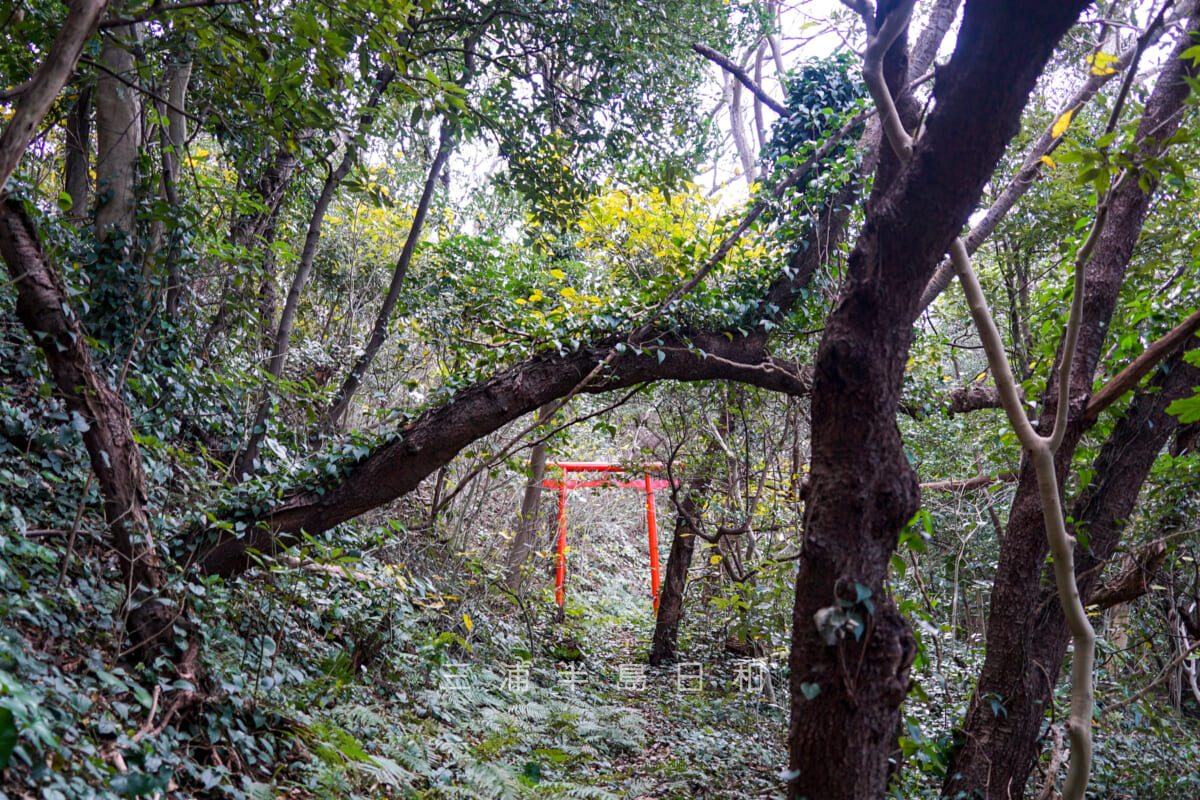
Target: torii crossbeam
[(646, 483)]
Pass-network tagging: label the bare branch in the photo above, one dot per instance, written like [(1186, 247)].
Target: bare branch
[(733, 69)]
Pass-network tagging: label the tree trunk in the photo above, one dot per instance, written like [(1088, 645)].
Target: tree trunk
[(78, 162), (39, 94), (179, 75), (998, 750), (244, 464), (379, 333), (118, 137), (44, 309), (253, 231), (679, 561), (522, 543), (851, 650)]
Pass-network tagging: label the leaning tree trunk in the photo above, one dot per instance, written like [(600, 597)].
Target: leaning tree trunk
[(851, 650), (998, 750), (341, 402), (244, 463), (43, 306)]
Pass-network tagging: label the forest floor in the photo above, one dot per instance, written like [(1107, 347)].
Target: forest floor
[(315, 685)]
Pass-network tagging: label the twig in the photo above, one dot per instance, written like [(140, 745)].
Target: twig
[(1160, 680), (62, 572)]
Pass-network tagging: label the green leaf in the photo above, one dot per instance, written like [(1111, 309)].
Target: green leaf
[(1187, 409), (810, 690), (8, 736)]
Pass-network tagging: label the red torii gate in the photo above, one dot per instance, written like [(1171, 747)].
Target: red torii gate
[(646, 483)]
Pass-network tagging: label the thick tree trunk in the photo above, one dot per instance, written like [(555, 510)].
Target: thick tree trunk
[(523, 540), (379, 332), (679, 561), (433, 439), (78, 162), (851, 651), (43, 306), (998, 750), (118, 137)]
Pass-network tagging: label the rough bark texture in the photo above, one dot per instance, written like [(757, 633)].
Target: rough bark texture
[(670, 603), (1009, 743), (998, 751), (1031, 168), (118, 136), (44, 309), (863, 489)]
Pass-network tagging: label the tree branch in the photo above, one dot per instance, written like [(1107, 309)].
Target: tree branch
[(978, 482), (39, 92), (1129, 377), (1134, 580), (733, 69)]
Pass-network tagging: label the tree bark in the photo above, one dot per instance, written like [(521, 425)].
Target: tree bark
[(39, 93), (253, 231), (43, 306), (244, 464), (172, 140), (518, 552), (1008, 743), (998, 750), (683, 545), (118, 138), (78, 161), (432, 440), (863, 490)]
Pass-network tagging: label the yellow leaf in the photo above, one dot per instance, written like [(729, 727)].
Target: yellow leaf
[(714, 560), (467, 622), (567, 291), (558, 274), (1063, 122), (1102, 63), (1049, 162)]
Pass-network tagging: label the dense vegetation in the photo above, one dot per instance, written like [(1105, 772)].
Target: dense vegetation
[(305, 302)]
